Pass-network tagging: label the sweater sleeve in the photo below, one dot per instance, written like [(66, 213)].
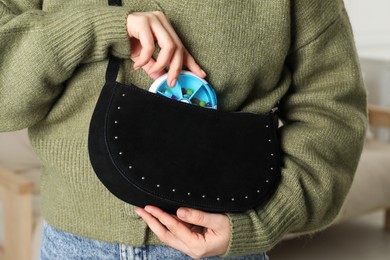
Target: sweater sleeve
[(40, 50), (324, 123)]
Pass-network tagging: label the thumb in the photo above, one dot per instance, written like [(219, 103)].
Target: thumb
[(199, 218)]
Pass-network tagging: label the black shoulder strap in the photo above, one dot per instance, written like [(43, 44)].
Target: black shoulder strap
[(115, 2), (113, 62), (112, 68)]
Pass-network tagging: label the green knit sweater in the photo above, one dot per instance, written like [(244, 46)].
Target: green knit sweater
[(300, 53)]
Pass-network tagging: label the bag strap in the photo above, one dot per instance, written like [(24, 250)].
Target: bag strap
[(113, 62), (112, 68), (115, 2)]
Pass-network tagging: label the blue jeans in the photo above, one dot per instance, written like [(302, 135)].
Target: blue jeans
[(57, 244)]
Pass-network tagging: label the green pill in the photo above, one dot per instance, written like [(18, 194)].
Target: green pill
[(189, 92)]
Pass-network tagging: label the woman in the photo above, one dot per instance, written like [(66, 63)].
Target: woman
[(297, 54)]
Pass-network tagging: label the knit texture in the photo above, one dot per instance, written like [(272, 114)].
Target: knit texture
[(299, 55)]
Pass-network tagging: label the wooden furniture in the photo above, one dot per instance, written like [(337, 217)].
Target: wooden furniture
[(380, 117)]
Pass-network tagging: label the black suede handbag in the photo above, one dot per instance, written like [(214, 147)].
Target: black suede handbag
[(150, 150)]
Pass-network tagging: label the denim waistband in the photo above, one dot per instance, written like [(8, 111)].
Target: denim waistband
[(57, 244)]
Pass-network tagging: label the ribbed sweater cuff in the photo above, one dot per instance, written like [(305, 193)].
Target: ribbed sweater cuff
[(87, 33), (258, 231)]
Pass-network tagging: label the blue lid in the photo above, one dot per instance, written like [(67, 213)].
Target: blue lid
[(189, 89)]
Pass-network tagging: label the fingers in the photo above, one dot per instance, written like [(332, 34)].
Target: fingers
[(153, 223), (173, 232), (147, 48), (155, 75), (193, 240), (171, 223), (175, 69), (176, 63), (146, 28), (167, 45), (201, 218), (191, 64), (161, 230)]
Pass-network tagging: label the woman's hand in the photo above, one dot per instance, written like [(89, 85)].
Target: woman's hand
[(194, 232), (147, 27)]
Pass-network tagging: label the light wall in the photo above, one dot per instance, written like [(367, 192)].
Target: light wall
[(370, 20)]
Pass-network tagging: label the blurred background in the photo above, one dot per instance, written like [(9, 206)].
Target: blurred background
[(361, 231), (371, 24)]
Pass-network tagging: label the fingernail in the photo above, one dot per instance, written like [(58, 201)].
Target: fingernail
[(204, 73), (137, 68), (183, 213), (147, 209), (137, 210), (173, 83)]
